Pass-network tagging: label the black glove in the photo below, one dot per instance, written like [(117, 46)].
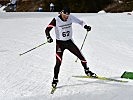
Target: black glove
[(49, 39), (88, 28)]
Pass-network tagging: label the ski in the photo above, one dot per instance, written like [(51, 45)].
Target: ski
[(53, 90), (102, 78)]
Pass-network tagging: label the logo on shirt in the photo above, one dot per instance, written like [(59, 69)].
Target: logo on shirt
[(59, 50)]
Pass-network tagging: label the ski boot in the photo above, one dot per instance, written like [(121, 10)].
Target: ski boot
[(90, 73), (54, 83)]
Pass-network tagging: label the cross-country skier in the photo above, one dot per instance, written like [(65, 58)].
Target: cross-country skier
[(63, 31)]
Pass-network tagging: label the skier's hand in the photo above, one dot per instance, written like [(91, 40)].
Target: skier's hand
[(88, 28), (49, 39)]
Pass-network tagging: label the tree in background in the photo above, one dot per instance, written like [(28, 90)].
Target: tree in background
[(77, 6)]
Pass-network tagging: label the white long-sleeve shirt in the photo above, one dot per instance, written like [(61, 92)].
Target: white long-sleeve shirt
[(63, 29)]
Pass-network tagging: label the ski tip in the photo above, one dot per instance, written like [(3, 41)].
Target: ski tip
[(53, 90)]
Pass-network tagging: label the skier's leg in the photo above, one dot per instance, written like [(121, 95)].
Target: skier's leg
[(58, 64), (56, 69), (74, 49), (59, 54)]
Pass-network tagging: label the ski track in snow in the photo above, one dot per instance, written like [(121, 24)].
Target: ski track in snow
[(108, 50)]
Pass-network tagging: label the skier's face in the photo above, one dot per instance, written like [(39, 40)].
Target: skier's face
[(65, 16)]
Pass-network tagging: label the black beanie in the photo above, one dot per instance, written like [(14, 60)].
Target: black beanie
[(66, 10)]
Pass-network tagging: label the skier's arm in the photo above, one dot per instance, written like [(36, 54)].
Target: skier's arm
[(78, 21), (48, 29), (82, 23)]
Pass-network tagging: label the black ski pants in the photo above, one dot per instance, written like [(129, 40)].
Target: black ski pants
[(69, 45)]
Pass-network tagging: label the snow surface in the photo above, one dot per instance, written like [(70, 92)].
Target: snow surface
[(108, 50)]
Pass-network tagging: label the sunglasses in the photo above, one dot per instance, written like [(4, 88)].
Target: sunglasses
[(66, 14)]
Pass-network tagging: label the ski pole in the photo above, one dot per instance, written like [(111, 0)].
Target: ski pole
[(32, 49), (82, 44)]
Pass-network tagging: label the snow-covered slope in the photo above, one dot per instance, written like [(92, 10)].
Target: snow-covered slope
[(108, 50)]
